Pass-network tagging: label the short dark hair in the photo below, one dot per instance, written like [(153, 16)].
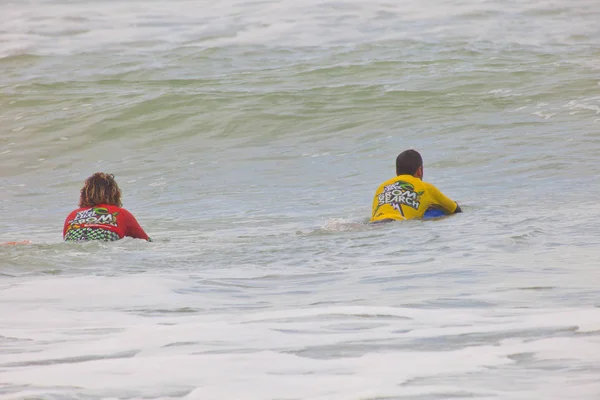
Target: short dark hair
[(408, 162)]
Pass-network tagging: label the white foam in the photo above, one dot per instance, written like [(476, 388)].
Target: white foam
[(91, 333)]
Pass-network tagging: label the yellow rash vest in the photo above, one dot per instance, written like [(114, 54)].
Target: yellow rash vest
[(408, 197)]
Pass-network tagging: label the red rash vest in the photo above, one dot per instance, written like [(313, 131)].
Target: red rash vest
[(101, 222)]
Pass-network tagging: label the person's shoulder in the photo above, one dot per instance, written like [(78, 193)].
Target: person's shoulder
[(77, 210), (385, 183), (382, 186), (408, 182), (396, 179), (428, 185), (124, 212), (110, 208), (121, 210)]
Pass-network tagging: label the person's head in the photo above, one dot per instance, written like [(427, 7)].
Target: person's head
[(100, 188), (409, 162)]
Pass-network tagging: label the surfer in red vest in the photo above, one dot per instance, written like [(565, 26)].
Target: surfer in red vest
[(100, 215)]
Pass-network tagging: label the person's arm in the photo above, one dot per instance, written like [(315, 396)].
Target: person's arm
[(134, 229), (66, 224), (447, 204)]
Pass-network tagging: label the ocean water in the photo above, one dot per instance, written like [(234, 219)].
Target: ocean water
[(248, 138)]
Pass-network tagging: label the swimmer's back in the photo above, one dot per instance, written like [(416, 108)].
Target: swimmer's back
[(407, 197)]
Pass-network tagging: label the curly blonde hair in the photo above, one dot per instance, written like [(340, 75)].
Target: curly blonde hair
[(100, 188)]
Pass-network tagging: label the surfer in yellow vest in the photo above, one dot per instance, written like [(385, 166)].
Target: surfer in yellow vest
[(406, 196)]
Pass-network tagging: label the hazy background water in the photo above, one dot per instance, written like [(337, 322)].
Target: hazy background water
[(248, 138)]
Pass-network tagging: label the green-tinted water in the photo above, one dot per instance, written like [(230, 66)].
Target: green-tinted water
[(249, 138)]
